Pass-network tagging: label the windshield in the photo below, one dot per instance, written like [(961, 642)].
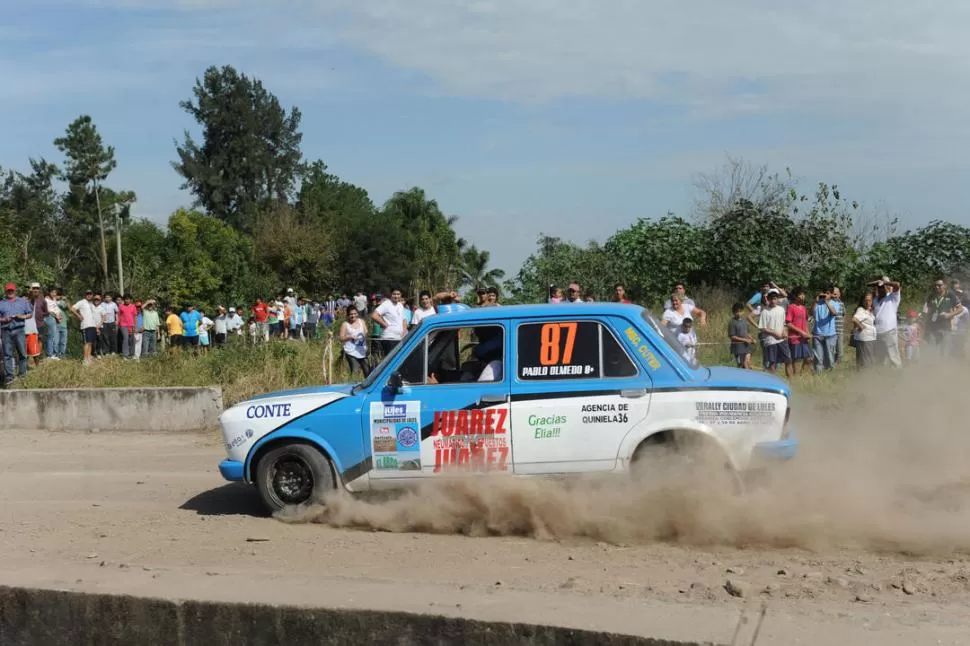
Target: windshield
[(379, 368), (671, 338)]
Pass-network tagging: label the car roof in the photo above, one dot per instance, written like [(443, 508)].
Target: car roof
[(540, 310)]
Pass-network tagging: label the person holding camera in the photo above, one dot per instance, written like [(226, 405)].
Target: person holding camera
[(885, 308), (825, 335)]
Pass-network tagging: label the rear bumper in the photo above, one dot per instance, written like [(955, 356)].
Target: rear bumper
[(232, 470)]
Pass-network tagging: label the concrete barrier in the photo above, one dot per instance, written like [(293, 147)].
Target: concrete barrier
[(32, 616), (111, 409)]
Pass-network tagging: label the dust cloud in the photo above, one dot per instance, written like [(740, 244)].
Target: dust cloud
[(883, 466)]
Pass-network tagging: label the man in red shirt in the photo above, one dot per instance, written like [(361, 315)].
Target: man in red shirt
[(619, 294), (260, 314), (798, 337), (127, 313)]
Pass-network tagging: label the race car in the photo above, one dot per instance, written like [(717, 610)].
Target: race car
[(530, 390)]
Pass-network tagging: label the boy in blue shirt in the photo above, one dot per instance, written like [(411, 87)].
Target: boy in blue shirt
[(824, 334)]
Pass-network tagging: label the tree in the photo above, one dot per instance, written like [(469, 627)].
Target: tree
[(720, 191), (88, 164), (475, 271), (653, 254), (431, 243), (213, 261), (250, 155), (296, 249), (557, 262)]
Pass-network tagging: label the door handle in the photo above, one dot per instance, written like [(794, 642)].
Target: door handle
[(633, 393), (493, 398)]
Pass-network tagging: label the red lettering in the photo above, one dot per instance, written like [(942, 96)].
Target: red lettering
[(463, 457), (478, 416), (437, 460), (502, 414), (451, 422), (437, 423), (503, 458), (462, 426), (490, 421)]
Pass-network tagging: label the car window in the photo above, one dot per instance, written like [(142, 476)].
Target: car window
[(670, 338), (456, 355), (570, 350), (616, 362)]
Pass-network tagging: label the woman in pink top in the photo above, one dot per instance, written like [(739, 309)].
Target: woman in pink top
[(127, 314)]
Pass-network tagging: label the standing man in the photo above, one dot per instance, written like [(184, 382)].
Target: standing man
[(390, 316), (127, 318), (221, 327), (89, 315), (940, 308), (190, 327), (14, 311), (824, 335), (885, 308), (108, 337), (150, 324), (839, 322), (774, 333), (574, 293)]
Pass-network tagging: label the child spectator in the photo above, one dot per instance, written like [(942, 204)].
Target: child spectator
[(741, 341), (556, 295), (771, 325), (688, 338), (911, 336), (254, 334)]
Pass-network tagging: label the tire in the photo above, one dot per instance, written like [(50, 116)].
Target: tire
[(685, 461), (292, 477)]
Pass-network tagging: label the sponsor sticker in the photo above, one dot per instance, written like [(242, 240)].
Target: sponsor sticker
[(470, 440), (642, 348), (263, 411), (606, 413), (395, 441), (546, 427), (735, 413)]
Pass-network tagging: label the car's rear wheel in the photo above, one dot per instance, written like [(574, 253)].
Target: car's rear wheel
[(291, 477), (685, 460)]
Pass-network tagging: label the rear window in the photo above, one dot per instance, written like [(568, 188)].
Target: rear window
[(565, 350)]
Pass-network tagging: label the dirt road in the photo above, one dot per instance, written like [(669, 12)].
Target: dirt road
[(149, 514)]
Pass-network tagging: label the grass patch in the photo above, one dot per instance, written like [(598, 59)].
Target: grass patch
[(240, 369)]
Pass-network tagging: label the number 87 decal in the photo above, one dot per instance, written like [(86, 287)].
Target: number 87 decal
[(550, 352)]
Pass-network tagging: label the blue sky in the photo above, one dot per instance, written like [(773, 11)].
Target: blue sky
[(565, 117)]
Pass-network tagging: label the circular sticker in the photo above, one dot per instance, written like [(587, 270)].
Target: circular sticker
[(407, 437)]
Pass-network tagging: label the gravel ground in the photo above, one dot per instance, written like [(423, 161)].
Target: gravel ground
[(149, 514)]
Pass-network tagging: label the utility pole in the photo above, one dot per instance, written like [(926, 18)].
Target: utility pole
[(121, 275)]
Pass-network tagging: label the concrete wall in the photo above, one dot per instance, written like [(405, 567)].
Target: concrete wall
[(111, 409), (30, 617)]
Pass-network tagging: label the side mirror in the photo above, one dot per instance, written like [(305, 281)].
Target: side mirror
[(395, 382)]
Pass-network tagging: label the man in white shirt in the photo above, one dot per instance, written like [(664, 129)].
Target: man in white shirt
[(90, 318), (885, 308), (109, 325), (425, 309), (390, 316), (574, 293), (774, 333)]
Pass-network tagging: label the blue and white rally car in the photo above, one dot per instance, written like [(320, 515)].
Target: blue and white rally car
[(523, 390)]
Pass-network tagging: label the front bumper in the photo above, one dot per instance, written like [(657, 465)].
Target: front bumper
[(232, 470), (767, 452)]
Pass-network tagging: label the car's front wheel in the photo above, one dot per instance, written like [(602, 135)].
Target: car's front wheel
[(293, 476)]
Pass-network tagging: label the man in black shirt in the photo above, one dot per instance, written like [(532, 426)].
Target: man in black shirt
[(940, 307)]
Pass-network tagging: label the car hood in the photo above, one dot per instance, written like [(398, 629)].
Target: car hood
[(342, 389), (725, 377)]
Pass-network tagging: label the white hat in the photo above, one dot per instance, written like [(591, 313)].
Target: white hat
[(773, 291), (289, 291), (33, 285), (232, 309)]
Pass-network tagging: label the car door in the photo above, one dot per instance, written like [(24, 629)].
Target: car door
[(442, 420), (576, 393)]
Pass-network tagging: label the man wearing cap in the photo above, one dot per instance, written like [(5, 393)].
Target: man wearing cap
[(235, 321), (774, 333), (574, 294), (885, 309), (14, 311)]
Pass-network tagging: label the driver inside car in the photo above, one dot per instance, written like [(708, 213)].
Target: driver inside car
[(486, 363)]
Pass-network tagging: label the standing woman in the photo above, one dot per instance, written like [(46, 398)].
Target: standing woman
[(353, 334), (680, 310), (864, 332), (53, 324)]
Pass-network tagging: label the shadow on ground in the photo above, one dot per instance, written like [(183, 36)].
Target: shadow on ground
[(233, 499)]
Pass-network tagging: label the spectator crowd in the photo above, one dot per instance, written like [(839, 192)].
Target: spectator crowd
[(792, 333)]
